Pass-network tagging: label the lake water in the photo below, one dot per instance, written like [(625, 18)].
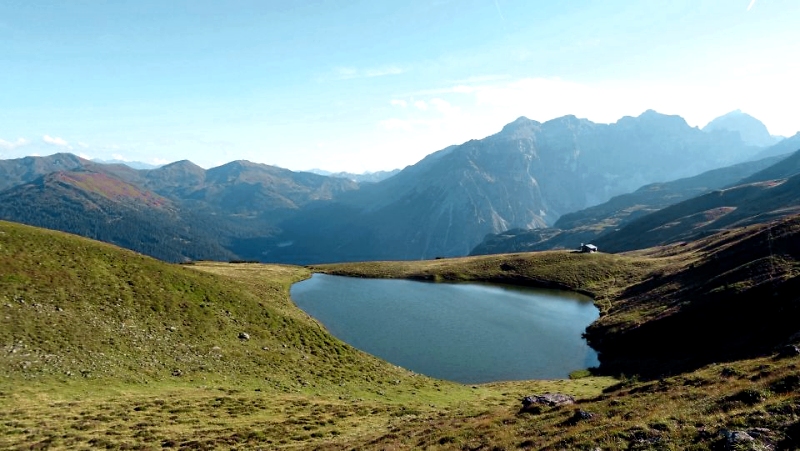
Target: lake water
[(468, 333)]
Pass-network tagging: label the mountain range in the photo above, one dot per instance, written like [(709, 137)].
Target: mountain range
[(525, 176), (365, 177), (131, 164), (661, 213), (529, 176), (176, 212)]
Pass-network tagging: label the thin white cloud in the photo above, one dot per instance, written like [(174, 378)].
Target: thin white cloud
[(393, 70), (61, 142), (480, 79), (399, 102), (85, 156), (462, 86), (11, 145), (455, 89), (750, 6), (497, 6), (421, 105), (397, 124), (160, 161), (345, 73), (349, 73), (119, 156), (443, 106)]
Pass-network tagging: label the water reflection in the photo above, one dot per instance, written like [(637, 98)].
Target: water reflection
[(468, 333)]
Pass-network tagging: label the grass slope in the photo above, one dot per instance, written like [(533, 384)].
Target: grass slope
[(105, 348)]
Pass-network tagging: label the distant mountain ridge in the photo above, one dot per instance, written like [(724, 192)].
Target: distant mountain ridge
[(528, 175), (176, 212), (130, 164), (525, 176), (751, 130), (364, 177), (591, 223), (761, 198), (104, 207)]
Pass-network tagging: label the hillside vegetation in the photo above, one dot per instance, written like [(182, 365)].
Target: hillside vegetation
[(105, 348)]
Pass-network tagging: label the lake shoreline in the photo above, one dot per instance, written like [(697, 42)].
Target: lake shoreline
[(469, 333)]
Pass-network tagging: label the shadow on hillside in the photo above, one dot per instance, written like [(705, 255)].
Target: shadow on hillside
[(741, 300)]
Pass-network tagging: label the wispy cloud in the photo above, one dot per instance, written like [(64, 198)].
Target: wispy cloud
[(398, 124), (465, 86), (399, 102), (11, 145), (346, 73), (349, 73), (427, 115), (480, 79), (444, 107), (497, 6), (750, 6), (384, 71), (60, 142)]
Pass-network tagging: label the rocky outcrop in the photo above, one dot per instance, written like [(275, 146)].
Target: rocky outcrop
[(533, 403)]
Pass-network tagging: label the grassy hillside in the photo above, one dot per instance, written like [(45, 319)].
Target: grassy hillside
[(107, 208), (755, 203), (105, 348)]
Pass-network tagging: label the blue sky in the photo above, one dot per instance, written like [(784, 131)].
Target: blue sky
[(371, 85)]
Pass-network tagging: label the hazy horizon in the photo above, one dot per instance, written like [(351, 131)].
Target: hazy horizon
[(133, 163), (361, 86)]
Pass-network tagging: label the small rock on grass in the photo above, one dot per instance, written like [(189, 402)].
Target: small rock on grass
[(533, 403)]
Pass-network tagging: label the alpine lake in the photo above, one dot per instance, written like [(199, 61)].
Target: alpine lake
[(462, 332)]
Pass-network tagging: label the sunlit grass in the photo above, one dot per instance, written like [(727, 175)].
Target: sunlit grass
[(104, 348)]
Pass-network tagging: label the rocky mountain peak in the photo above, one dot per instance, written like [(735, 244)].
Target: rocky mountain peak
[(182, 164), (183, 167), (751, 130), (520, 128), (654, 119)]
